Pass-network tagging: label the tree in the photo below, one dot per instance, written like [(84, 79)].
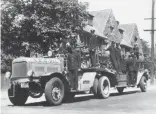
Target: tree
[(145, 47), (38, 22), (148, 60)]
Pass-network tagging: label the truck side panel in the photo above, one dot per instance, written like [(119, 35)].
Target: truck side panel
[(86, 81)]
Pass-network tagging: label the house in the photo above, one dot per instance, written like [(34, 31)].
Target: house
[(105, 22), (108, 28), (105, 26), (131, 36), (90, 25)]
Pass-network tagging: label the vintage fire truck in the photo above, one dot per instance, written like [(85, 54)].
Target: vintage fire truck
[(37, 76)]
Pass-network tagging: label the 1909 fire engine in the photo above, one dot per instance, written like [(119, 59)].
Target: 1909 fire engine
[(35, 76)]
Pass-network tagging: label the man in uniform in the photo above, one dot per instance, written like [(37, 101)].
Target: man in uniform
[(27, 51), (136, 50), (74, 64), (118, 57), (92, 48), (112, 51)]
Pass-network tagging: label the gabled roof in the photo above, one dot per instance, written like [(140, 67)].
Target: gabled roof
[(128, 31), (100, 19), (123, 42), (88, 28)]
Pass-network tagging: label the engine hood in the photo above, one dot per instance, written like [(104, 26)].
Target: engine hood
[(37, 60)]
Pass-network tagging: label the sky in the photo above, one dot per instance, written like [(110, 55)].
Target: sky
[(128, 11)]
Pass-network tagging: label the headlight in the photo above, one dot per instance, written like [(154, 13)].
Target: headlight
[(146, 70), (30, 73), (98, 74), (7, 75)]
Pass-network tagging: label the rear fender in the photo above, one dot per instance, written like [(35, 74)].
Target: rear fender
[(86, 81), (139, 76)]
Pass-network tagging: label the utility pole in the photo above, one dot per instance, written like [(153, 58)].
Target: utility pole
[(152, 41)]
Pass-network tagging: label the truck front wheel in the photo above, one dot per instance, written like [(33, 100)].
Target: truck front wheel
[(18, 99), (103, 87), (54, 91)]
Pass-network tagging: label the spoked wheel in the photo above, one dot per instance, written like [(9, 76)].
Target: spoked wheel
[(54, 91), (104, 87), (143, 84)]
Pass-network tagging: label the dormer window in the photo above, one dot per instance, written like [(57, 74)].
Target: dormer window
[(121, 31), (111, 28), (90, 20), (135, 39), (117, 22)]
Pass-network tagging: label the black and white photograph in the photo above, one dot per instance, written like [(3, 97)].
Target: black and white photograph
[(78, 57)]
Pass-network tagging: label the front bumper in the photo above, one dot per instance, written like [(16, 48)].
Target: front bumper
[(15, 90), (20, 85)]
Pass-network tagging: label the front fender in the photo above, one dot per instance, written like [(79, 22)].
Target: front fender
[(44, 79)]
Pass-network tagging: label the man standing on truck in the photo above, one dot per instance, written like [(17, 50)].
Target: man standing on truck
[(27, 51), (92, 48), (118, 57), (136, 50), (112, 51), (73, 64)]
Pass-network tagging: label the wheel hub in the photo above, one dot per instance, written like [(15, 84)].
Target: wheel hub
[(145, 83), (105, 87), (56, 93)]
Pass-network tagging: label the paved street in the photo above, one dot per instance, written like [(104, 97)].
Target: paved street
[(133, 101)]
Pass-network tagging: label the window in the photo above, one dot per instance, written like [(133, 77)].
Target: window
[(111, 28), (135, 39), (121, 31), (90, 20)]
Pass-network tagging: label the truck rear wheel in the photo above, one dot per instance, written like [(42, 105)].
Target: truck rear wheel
[(143, 84), (103, 87), (95, 86), (54, 91), (18, 99)]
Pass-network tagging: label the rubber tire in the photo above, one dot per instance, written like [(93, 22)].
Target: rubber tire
[(18, 100), (120, 90), (141, 83), (95, 86), (101, 94), (48, 91)]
